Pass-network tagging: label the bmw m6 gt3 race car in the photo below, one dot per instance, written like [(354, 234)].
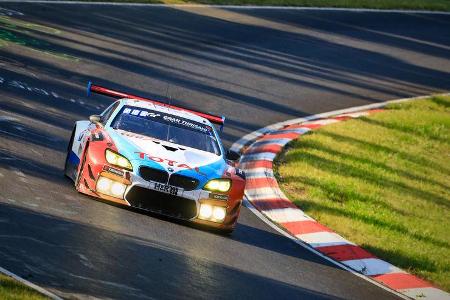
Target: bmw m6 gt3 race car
[(157, 157)]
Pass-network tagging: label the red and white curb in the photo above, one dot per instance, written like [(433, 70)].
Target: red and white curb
[(262, 191)]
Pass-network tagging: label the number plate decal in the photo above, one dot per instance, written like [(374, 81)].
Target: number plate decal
[(168, 189)]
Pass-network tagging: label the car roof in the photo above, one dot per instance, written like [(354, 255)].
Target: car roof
[(164, 109)]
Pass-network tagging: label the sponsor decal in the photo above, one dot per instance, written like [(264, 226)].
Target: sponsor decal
[(218, 196), (169, 162), (114, 171), (240, 173), (168, 119), (185, 123), (141, 113)]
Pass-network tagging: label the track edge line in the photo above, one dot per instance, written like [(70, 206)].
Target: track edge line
[(30, 284)]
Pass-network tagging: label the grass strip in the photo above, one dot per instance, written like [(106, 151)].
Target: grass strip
[(437, 5), (382, 182), (10, 289)]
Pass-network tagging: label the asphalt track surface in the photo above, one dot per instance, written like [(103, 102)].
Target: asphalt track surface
[(256, 67)]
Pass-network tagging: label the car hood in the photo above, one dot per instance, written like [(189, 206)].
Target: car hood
[(142, 150)]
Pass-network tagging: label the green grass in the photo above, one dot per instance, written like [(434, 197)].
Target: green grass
[(443, 5), (18, 32), (382, 182), (10, 289)]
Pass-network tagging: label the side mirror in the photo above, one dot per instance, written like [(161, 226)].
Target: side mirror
[(96, 119), (232, 155)]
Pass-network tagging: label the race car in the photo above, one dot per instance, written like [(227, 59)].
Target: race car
[(157, 157)]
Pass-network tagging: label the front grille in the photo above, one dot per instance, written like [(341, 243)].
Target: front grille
[(181, 181), (162, 203), (154, 174), (187, 183)]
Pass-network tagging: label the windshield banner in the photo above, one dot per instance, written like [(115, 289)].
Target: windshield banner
[(167, 119)]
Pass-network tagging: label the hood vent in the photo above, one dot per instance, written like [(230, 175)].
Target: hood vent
[(170, 148)]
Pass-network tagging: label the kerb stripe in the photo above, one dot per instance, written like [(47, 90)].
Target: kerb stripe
[(270, 204), (400, 281), (256, 164), (274, 148), (290, 136), (304, 227), (345, 252), (255, 183)]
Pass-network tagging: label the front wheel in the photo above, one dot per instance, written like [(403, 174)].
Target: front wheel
[(227, 232), (68, 169)]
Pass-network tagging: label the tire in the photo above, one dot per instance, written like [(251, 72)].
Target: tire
[(227, 232), (69, 148)]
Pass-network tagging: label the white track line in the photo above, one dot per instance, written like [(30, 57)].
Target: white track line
[(370, 10), (30, 284)]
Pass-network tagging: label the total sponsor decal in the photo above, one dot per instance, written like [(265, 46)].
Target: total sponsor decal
[(168, 162)]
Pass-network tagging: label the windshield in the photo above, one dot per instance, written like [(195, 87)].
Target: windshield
[(167, 127)]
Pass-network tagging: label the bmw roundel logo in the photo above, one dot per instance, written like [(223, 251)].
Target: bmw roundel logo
[(170, 169)]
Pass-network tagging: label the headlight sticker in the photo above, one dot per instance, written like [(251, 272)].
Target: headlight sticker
[(218, 196), (114, 171)]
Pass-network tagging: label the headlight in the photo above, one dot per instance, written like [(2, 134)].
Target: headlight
[(219, 213), (206, 211), (117, 159), (103, 184), (117, 189), (212, 213), (110, 187), (218, 185)]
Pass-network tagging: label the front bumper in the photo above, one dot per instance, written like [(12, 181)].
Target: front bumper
[(185, 206)]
